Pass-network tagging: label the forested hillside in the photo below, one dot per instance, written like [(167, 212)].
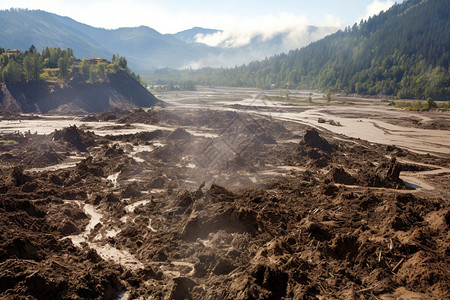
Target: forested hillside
[(54, 80), (403, 52), (56, 64)]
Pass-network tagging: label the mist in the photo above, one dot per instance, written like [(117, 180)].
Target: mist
[(257, 38)]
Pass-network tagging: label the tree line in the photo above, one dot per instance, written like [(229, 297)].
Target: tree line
[(56, 64)]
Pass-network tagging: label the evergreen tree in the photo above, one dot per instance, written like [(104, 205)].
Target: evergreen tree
[(32, 65), (63, 65)]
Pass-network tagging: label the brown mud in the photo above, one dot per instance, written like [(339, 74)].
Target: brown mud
[(220, 205)]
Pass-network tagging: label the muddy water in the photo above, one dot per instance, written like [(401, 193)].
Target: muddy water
[(106, 251), (366, 128), (376, 131), (359, 121), (70, 162)]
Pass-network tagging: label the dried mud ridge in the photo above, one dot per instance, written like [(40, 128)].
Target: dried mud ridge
[(243, 208)]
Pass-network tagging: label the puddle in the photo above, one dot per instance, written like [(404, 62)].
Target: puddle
[(113, 178), (412, 185), (130, 208), (121, 257), (106, 251), (70, 162), (142, 148), (254, 102), (178, 268), (95, 219), (138, 159), (415, 181), (203, 134), (149, 226)]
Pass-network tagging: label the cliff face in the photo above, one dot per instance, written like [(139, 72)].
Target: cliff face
[(119, 91)]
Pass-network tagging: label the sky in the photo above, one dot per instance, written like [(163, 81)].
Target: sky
[(170, 16)]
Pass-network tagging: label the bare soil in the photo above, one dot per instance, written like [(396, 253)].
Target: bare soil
[(219, 204)]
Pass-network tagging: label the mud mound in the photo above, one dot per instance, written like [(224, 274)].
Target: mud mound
[(228, 219), (314, 140), (18, 177), (73, 136), (179, 134), (339, 175), (170, 152), (41, 159), (385, 175)]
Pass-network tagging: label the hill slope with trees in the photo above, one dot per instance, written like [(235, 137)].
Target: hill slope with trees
[(403, 52), (31, 81)]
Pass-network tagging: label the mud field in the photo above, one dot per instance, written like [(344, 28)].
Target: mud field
[(224, 195)]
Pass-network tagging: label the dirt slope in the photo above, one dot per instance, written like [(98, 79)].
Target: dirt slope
[(120, 90)]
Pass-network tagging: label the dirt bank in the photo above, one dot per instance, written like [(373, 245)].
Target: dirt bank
[(120, 90)]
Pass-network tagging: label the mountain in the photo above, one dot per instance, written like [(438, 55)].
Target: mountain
[(21, 28), (403, 52), (144, 47)]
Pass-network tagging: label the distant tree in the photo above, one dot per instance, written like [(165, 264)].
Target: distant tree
[(32, 65), (69, 52), (327, 97), (431, 104), (122, 62), (32, 49), (113, 59), (63, 65), (4, 60), (93, 74), (101, 66), (84, 67), (12, 72)]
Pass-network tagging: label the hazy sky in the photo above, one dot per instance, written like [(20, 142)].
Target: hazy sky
[(170, 16)]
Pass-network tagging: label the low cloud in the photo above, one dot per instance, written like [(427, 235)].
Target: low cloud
[(376, 7), (292, 28)]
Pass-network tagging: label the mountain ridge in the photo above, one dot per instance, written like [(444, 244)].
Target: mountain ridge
[(144, 47)]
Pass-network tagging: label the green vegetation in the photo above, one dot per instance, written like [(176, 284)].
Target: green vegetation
[(404, 52), (429, 104), (56, 64), (165, 86), (7, 142)]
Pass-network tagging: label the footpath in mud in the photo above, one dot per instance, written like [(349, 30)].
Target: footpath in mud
[(218, 205)]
